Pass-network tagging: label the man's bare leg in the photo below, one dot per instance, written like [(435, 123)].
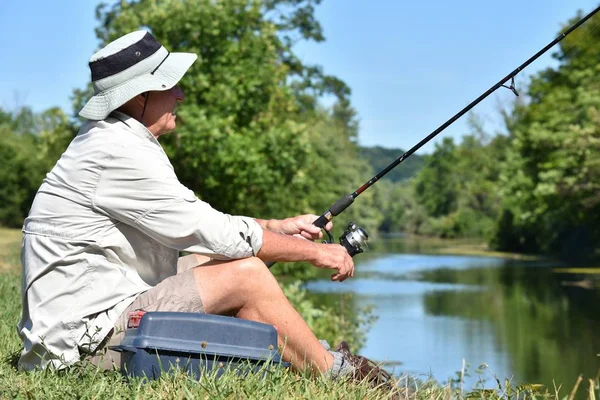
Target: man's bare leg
[(246, 288)]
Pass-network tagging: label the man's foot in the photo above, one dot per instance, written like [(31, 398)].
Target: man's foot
[(364, 369), (360, 369)]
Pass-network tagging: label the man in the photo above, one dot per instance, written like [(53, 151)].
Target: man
[(105, 229)]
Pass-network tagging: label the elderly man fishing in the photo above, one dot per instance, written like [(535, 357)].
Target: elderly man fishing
[(106, 227)]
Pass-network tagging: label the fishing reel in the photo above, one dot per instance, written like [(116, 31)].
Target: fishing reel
[(352, 239)]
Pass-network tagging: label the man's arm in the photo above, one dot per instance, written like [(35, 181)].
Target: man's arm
[(300, 226), (280, 247)]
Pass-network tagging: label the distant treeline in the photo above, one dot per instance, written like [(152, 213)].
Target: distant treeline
[(254, 140), (380, 157)]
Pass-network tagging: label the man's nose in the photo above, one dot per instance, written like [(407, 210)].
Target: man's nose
[(178, 93)]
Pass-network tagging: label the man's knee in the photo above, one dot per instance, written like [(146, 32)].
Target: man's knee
[(240, 279), (252, 267), (256, 282)]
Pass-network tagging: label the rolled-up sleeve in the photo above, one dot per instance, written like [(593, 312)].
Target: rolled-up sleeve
[(140, 188)]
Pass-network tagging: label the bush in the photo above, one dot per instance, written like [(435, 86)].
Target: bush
[(21, 173), (331, 322)]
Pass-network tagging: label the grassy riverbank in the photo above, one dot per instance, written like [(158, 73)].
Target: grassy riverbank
[(463, 247), (86, 382)]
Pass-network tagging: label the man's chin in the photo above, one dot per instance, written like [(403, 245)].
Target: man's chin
[(169, 128)]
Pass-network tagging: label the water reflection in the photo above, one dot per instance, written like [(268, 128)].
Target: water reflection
[(435, 310)]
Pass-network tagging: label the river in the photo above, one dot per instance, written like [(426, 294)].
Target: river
[(507, 319)]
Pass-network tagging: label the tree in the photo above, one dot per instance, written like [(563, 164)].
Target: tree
[(436, 186), (455, 193), (380, 157), (55, 133), (551, 183), (26, 156), (243, 142)]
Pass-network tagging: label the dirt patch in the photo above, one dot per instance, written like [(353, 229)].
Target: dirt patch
[(5, 266), (10, 247)]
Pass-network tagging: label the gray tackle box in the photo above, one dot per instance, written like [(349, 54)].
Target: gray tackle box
[(196, 343)]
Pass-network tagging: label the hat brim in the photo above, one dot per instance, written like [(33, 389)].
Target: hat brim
[(166, 76)]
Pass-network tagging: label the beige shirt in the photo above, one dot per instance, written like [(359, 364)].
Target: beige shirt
[(107, 224)]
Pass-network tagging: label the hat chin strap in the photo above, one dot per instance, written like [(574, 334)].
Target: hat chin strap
[(148, 93), (144, 109)]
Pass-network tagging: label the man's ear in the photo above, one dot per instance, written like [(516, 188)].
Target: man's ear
[(141, 98)]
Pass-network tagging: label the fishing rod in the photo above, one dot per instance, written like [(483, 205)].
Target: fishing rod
[(354, 236)]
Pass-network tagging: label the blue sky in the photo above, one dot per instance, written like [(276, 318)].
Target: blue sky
[(411, 65)]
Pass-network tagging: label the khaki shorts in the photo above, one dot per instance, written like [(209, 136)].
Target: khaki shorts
[(177, 293)]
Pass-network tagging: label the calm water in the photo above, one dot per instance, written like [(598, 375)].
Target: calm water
[(434, 311)]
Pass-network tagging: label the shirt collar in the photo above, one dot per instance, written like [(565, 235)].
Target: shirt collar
[(135, 126)]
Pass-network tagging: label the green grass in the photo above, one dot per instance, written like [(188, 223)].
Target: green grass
[(585, 271), (87, 382)]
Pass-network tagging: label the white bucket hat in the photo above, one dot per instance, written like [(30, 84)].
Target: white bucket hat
[(131, 65)]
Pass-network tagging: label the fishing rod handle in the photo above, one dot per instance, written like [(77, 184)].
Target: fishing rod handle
[(322, 221)]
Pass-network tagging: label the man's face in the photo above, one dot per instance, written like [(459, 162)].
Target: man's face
[(160, 117)]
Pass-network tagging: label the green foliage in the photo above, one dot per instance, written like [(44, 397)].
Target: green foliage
[(55, 132), (380, 157), (30, 143), (436, 186), (251, 137), (455, 194), (330, 322), (250, 129), (534, 190), (551, 178), (335, 170), (401, 210), (17, 174)]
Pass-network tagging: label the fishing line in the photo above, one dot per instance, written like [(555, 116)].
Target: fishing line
[(488, 114)]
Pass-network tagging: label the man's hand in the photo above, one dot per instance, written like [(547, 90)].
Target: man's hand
[(302, 226), (335, 256)]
